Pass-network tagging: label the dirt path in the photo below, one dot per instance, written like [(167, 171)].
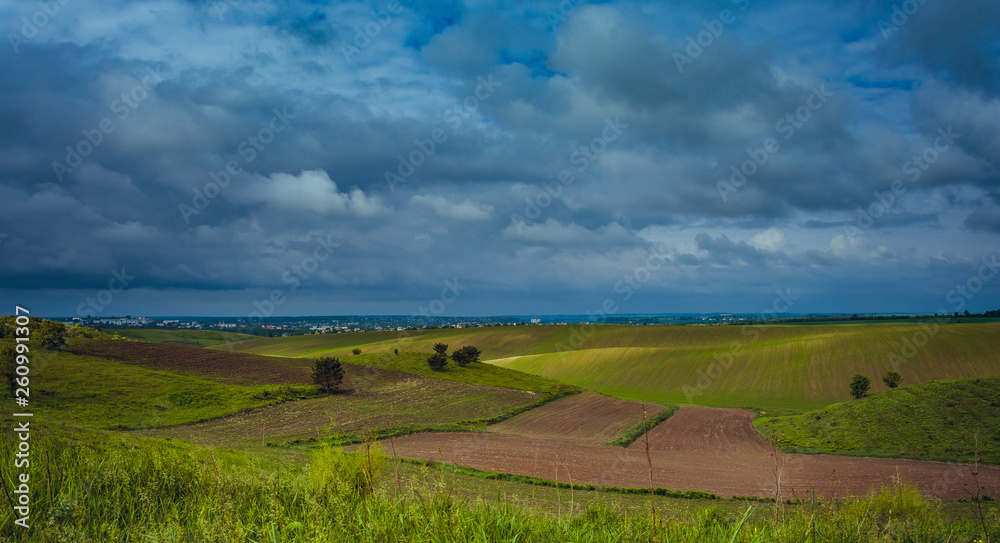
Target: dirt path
[(714, 450)]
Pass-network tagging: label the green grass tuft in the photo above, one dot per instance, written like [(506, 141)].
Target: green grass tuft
[(629, 435)]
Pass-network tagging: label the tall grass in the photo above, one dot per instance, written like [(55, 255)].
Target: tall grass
[(109, 488)]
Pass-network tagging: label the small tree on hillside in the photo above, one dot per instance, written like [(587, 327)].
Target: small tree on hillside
[(440, 348), (328, 373), (52, 334), (466, 355), (892, 379), (860, 385), (356, 351), (438, 361)]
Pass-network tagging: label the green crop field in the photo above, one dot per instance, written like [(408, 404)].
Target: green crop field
[(204, 338), (494, 342), (475, 373), (772, 367), (942, 420)]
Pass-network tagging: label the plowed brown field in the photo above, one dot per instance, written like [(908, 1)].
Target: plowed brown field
[(224, 366), (713, 450), (586, 416)]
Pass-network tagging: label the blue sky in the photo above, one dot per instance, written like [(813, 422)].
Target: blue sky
[(220, 157)]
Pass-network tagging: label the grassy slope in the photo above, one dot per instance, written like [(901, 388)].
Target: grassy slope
[(475, 373), (494, 342), (205, 338), (104, 393), (212, 380), (791, 367), (935, 421), (387, 405)]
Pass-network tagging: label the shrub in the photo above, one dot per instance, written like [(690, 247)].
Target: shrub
[(438, 361), (440, 348), (892, 379), (466, 355), (356, 351), (860, 385)]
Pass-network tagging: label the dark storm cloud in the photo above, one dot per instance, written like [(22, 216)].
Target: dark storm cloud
[(239, 137)]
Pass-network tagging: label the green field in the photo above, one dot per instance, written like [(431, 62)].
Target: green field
[(102, 393), (205, 338), (793, 367), (930, 421), (474, 373), (253, 468), (136, 385)]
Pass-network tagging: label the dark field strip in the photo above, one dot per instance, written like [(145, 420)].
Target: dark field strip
[(227, 367)]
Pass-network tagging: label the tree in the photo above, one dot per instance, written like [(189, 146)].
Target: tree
[(440, 348), (328, 373), (52, 334), (892, 379), (466, 355), (356, 351), (438, 361), (860, 385)]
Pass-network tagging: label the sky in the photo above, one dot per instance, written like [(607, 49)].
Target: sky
[(251, 158)]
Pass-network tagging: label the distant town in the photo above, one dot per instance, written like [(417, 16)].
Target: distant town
[(288, 326)]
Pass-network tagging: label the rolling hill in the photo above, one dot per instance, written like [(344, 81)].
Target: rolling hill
[(942, 420), (772, 367)]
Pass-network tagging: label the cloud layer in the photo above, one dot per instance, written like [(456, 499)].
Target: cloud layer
[(537, 154)]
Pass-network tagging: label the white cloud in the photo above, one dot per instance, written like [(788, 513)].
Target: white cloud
[(769, 240), (311, 190)]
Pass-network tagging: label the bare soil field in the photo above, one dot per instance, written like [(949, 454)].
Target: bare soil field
[(713, 450), (587, 416)]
